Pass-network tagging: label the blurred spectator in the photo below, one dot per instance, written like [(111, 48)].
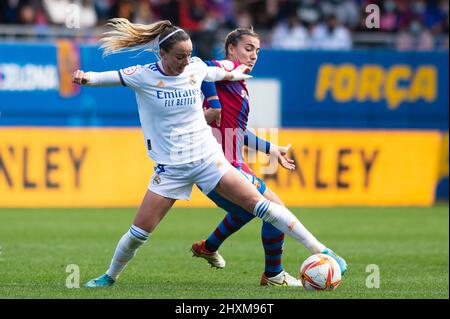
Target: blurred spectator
[(435, 16), (442, 32), (407, 24), (166, 10), (103, 9), (346, 11), (425, 40), (88, 15), (309, 12), (331, 35), (81, 13), (56, 10), (389, 16), (264, 13), (224, 12), (9, 11), (125, 9), (404, 41), (436, 20), (192, 12), (30, 12), (41, 15), (144, 14), (405, 14), (243, 19), (290, 34), (27, 14), (198, 18), (415, 38)]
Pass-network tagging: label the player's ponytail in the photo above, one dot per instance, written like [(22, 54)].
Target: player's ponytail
[(127, 36)]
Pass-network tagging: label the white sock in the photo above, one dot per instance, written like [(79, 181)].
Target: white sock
[(126, 249), (281, 218)]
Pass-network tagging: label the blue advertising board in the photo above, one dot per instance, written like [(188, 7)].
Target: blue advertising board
[(360, 89), (357, 89)]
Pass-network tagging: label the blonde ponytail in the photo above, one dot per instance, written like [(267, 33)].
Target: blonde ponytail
[(131, 36)]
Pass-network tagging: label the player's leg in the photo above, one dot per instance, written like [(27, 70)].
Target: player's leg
[(151, 211), (274, 274), (208, 249), (234, 187), (208, 175), (234, 220), (270, 195), (168, 184), (273, 241)]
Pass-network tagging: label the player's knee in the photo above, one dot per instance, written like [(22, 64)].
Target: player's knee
[(276, 199), (252, 201), (273, 197)]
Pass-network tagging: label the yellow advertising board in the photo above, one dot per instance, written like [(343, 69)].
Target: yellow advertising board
[(339, 167), (46, 167), (443, 166), (109, 167)]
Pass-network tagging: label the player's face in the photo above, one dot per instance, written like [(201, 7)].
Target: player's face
[(246, 51), (177, 58)]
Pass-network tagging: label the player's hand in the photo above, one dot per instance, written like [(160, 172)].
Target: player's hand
[(281, 153), (80, 77), (242, 68), (212, 115), (218, 119), (239, 73)]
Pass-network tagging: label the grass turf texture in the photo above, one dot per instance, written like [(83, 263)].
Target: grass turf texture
[(410, 246)]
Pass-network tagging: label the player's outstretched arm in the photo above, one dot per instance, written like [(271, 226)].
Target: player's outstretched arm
[(108, 78), (281, 153), (259, 144), (218, 74)]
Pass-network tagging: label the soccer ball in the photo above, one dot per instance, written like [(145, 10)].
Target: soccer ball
[(320, 272)]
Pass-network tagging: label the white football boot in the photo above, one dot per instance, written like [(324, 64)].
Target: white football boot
[(282, 279)]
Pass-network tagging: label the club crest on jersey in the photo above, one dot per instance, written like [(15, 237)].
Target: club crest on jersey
[(160, 84), (130, 70), (219, 163), (192, 80), (157, 179)]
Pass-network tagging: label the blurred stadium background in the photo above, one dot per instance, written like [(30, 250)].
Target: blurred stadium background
[(361, 95)]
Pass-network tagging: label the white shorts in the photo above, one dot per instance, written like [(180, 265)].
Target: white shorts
[(176, 181)]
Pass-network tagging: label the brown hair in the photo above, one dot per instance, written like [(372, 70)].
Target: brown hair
[(234, 36)]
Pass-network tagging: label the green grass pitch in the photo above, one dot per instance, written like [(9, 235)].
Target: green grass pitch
[(410, 246)]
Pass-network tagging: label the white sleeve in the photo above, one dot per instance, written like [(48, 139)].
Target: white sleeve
[(218, 74), (215, 74), (132, 76), (227, 65), (211, 73), (109, 78)]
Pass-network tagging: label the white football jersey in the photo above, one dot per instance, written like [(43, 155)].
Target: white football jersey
[(171, 112)]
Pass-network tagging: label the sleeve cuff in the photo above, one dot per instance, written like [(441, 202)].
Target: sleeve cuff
[(121, 78)]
